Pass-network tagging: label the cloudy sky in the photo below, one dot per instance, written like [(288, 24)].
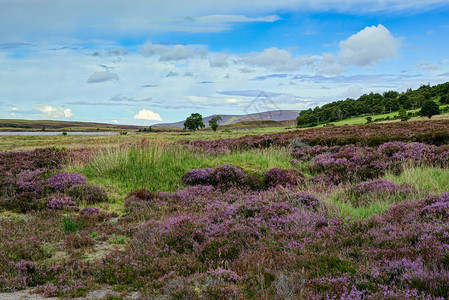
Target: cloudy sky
[(145, 61)]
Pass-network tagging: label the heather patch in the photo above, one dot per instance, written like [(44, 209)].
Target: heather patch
[(278, 177), (87, 193), (364, 193), (62, 181)]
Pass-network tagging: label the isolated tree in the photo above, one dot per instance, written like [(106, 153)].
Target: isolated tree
[(194, 122), (213, 123), (403, 114), (429, 109), (369, 120)]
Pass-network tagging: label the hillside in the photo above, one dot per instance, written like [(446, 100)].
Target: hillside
[(50, 125), (277, 116), (374, 104)]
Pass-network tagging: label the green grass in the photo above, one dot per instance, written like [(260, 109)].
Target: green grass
[(160, 167), (347, 211), (431, 179), (427, 180), (20, 142)]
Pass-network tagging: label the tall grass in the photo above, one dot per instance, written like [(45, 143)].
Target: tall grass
[(159, 167), (256, 161), (342, 204), (156, 167), (431, 179), (346, 211)]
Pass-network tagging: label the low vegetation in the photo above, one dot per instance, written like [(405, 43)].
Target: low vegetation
[(351, 212)]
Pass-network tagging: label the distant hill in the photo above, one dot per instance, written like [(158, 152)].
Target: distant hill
[(277, 116), (50, 125)]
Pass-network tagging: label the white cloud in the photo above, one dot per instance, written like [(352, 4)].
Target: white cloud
[(330, 66), (219, 61), (68, 113), (369, 46), (276, 59), (102, 77), (175, 53), (235, 19), (178, 52), (232, 100), (55, 111), (150, 49), (139, 17), (146, 114), (427, 66), (353, 92)]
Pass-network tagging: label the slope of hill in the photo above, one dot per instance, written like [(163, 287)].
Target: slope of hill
[(50, 125), (277, 116)]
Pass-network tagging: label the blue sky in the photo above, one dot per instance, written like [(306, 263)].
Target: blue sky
[(146, 62)]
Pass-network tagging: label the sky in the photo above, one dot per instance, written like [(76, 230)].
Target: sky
[(145, 62)]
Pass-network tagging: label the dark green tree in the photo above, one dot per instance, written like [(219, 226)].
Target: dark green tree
[(444, 99), (213, 123), (429, 109), (403, 114), (369, 120), (194, 122)]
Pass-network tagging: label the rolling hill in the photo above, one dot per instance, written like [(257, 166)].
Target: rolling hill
[(277, 116), (51, 125)]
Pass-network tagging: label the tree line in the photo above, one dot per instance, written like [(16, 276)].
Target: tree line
[(374, 103)]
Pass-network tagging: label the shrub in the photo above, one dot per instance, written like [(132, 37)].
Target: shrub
[(23, 203), (228, 176), (140, 200), (278, 177), (94, 214), (307, 200), (62, 181), (77, 241), (61, 202), (198, 177), (254, 182), (88, 193)]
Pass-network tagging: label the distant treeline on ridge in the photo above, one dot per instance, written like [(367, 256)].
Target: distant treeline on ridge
[(373, 103)]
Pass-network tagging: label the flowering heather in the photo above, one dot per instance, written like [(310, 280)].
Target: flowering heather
[(366, 192), (24, 171), (23, 202), (61, 202), (430, 132), (219, 239), (278, 177), (94, 213), (307, 200), (198, 176), (88, 193), (227, 176), (140, 200), (349, 164), (352, 163), (62, 181)]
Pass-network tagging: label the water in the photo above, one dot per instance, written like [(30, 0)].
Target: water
[(56, 133)]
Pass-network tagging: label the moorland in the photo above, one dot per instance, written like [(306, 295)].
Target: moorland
[(337, 212)]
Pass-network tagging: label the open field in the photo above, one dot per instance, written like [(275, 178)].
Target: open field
[(39, 125), (343, 212), (20, 142)]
